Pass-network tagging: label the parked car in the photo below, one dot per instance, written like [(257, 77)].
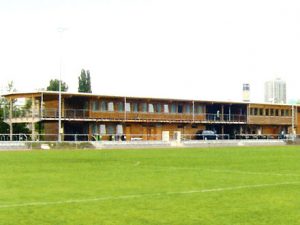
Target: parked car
[(209, 135)]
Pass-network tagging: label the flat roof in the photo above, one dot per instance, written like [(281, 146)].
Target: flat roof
[(20, 94)]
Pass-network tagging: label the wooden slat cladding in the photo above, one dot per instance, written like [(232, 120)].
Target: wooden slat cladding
[(270, 120)]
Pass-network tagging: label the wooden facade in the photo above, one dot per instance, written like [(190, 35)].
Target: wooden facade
[(88, 116)]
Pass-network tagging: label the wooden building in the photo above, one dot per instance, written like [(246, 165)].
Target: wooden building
[(91, 117)]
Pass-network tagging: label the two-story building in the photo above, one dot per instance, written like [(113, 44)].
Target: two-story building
[(89, 117)]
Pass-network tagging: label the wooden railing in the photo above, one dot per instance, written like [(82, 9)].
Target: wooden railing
[(134, 116)]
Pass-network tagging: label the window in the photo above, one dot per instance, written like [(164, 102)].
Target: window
[(158, 108), (127, 107), (119, 129), (103, 106), (276, 112), (282, 112), (199, 109), (150, 108), (135, 107), (188, 109), (180, 109), (95, 105), (255, 111), (261, 112), (110, 129), (111, 107), (272, 112), (94, 128), (102, 129), (144, 107), (267, 112), (166, 108), (120, 106), (173, 108)]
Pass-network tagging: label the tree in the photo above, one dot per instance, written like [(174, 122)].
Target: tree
[(84, 82), (4, 112), (54, 86)]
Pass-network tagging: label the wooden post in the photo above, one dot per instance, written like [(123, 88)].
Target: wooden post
[(10, 119), (42, 100), (193, 111)]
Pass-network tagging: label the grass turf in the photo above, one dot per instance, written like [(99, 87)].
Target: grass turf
[(136, 187)]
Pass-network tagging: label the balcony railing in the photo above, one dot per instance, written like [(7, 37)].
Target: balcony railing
[(129, 116)]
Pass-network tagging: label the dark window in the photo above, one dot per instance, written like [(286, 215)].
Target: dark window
[(188, 109), (144, 107), (180, 109), (103, 106), (120, 107), (199, 109), (173, 108), (158, 108), (95, 105), (135, 107)]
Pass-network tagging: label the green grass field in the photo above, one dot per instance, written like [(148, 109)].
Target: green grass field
[(215, 186)]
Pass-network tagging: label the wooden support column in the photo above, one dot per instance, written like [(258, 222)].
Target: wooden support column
[(193, 111), (10, 119), (125, 109), (42, 105)]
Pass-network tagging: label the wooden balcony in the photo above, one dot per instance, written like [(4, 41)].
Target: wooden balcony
[(84, 115)]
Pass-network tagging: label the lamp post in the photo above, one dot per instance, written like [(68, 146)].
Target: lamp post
[(61, 30)]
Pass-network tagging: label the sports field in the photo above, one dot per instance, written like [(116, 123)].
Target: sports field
[(215, 186)]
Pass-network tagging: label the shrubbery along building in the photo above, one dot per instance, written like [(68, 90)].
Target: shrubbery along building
[(95, 117)]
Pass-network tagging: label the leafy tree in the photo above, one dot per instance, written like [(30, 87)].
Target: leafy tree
[(54, 86), (84, 82), (4, 112), (4, 127)]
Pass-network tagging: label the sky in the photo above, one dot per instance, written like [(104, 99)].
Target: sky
[(189, 49)]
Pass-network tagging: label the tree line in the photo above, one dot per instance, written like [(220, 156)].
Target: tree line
[(84, 83)]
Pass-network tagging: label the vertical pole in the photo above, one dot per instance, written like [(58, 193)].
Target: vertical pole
[(42, 101), (293, 121), (60, 30), (59, 109), (10, 119), (124, 109), (193, 111), (32, 118)]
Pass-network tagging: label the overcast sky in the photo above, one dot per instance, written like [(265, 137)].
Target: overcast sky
[(160, 48)]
